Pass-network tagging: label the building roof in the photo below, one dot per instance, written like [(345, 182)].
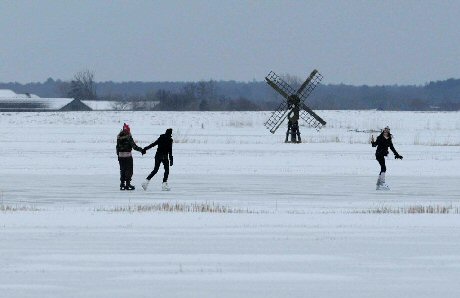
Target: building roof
[(6, 93), (10, 101)]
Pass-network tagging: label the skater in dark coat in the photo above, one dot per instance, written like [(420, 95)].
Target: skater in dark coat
[(383, 142), (125, 144), (163, 156)]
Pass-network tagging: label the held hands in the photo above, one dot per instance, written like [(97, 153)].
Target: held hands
[(398, 157), (143, 151)]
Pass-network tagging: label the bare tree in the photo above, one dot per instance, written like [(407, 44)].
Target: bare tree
[(120, 105), (83, 86), (293, 80)]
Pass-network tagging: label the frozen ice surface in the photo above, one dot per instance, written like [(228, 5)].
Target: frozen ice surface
[(301, 220)]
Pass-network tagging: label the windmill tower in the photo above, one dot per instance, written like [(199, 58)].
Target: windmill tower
[(294, 107)]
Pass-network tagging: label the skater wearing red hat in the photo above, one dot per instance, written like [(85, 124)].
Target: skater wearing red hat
[(125, 144)]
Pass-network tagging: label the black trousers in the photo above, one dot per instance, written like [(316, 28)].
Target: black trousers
[(381, 160), (160, 159), (126, 168)]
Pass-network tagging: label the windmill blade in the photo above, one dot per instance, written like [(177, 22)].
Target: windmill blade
[(304, 91), (311, 118), (277, 117), (283, 88), (309, 85), (307, 81), (279, 85)]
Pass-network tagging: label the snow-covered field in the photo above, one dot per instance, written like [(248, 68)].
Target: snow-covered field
[(248, 216)]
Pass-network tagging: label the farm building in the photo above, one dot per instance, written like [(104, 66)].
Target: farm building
[(13, 102)]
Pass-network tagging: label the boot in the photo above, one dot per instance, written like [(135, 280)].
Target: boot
[(129, 186), (122, 185), (145, 184), (165, 186)]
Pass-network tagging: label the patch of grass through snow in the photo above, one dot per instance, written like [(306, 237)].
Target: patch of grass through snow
[(206, 207), (16, 208), (414, 209)]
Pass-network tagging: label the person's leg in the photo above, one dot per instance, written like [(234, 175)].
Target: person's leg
[(145, 184), (129, 172), (122, 173), (383, 169), (381, 160), (165, 185), (155, 169), (129, 168), (166, 167)]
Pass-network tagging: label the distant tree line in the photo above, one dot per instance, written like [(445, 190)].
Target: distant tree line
[(247, 96)]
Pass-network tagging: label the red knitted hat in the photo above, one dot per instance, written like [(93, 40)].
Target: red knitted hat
[(126, 128)]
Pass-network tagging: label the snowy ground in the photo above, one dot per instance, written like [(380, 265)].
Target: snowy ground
[(290, 220)]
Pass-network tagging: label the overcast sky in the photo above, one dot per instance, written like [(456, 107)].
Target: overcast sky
[(351, 42)]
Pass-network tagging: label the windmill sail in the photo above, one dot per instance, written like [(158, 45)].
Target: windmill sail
[(309, 85), (311, 118), (277, 117), (283, 88)]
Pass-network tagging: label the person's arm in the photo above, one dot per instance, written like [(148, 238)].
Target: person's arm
[(394, 151), (151, 145), (170, 153), (134, 145), (376, 142)]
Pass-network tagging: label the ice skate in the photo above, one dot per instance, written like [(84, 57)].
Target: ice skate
[(145, 184), (381, 185), (165, 186), (122, 185), (129, 186)]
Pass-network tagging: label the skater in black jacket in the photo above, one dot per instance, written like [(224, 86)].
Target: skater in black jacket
[(383, 142), (125, 144), (163, 156)]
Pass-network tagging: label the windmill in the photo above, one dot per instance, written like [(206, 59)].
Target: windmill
[(294, 106)]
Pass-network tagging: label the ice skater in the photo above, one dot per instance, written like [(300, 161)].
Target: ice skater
[(384, 140), (163, 156), (125, 144)]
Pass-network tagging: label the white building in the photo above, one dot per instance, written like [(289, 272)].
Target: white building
[(13, 102)]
